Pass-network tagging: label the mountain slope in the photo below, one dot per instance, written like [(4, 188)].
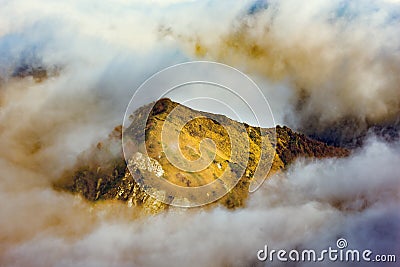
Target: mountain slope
[(101, 173)]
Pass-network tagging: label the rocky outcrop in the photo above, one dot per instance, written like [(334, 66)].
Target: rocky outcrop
[(101, 173)]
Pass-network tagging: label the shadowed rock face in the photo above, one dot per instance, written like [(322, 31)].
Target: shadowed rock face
[(39, 72), (101, 173)]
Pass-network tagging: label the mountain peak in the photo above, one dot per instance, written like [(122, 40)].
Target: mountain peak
[(101, 174)]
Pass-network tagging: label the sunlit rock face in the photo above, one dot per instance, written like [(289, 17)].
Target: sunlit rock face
[(102, 173)]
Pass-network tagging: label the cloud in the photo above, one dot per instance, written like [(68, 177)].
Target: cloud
[(328, 66), (311, 205), (339, 59)]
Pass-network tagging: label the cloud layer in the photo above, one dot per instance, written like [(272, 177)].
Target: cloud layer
[(339, 59), (320, 64)]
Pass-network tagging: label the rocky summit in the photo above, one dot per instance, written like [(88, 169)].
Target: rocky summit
[(101, 173)]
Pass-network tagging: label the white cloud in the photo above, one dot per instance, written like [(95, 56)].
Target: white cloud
[(107, 49)]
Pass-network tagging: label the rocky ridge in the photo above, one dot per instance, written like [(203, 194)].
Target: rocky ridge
[(101, 173)]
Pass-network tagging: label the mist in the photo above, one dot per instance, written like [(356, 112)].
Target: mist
[(329, 69), (339, 59), (311, 205)]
